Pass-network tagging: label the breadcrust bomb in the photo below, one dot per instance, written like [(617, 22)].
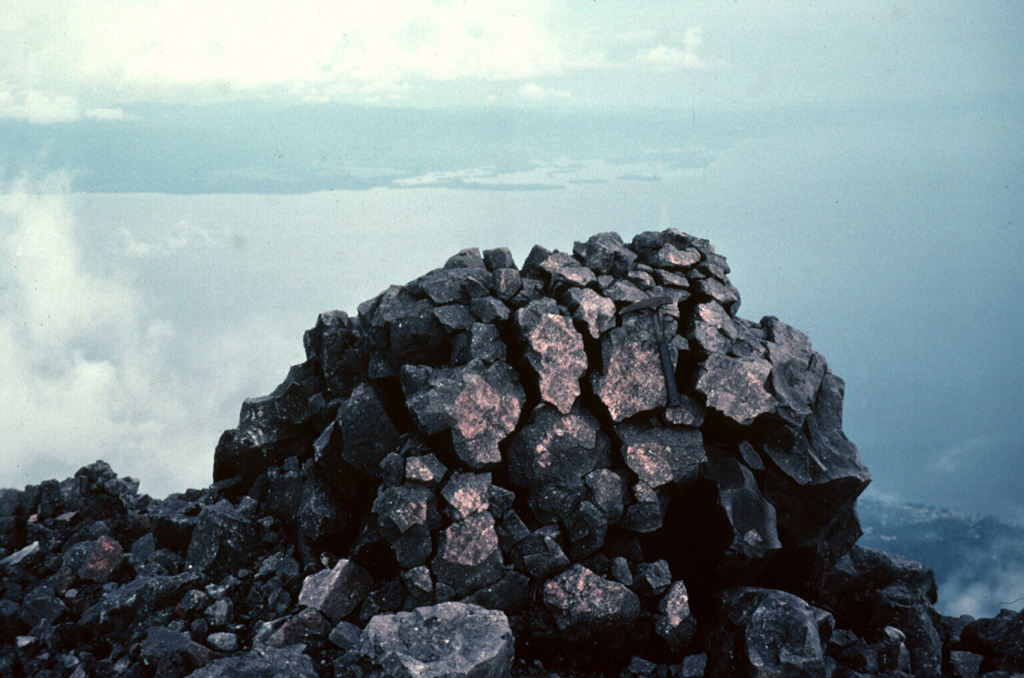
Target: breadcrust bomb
[(586, 463)]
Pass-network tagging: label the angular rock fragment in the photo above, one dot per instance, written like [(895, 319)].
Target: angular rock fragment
[(764, 632), (815, 477), (270, 428), (426, 469), (623, 293), (467, 493), (367, 433), (407, 515), (1000, 638), (468, 557), (261, 662), (870, 589), (499, 258), (320, 516), (753, 536), (540, 554), (168, 653), (607, 490), (336, 592), (408, 327), (482, 342), (590, 309), (675, 623), (333, 344), (662, 455), (448, 640), (308, 627), (709, 329), (507, 282), (735, 387), (566, 271), (591, 609), (550, 456), (554, 351), (586, 527), (135, 601), (605, 254), (467, 258), (489, 310), (646, 512), (670, 258), (223, 539), (797, 371), (478, 404), (454, 317), (103, 558), (631, 379)]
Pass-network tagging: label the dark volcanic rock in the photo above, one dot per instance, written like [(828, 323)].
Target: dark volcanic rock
[(554, 352), (630, 380), (661, 455), (491, 438), (222, 540), (261, 662), (588, 608), (336, 592), (763, 632), (736, 387), (477, 405), (449, 640)]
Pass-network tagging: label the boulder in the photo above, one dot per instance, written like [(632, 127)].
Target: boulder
[(587, 608), (336, 592), (448, 640), (477, 405), (764, 632)]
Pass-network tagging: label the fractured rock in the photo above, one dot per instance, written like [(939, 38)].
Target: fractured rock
[(336, 592), (468, 557), (675, 623), (222, 540), (631, 378), (554, 351), (590, 309), (764, 632), (589, 608), (448, 640), (662, 455), (479, 405), (735, 387)]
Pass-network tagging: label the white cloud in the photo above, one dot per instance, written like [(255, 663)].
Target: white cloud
[(106, 114), (87, 366), (181, 237), (668, 57), (104, 54), (233, 45), (952, 459), (39, 107), (533, 92)]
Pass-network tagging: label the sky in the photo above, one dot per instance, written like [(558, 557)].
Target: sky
[(185, 186)]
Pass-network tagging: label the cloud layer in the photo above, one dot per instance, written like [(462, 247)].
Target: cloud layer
[(91, 370), (203, 51)]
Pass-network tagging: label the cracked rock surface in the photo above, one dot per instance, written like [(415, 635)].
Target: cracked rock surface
[(476, 474)]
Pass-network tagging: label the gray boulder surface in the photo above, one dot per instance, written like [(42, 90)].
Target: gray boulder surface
[(448, 640)]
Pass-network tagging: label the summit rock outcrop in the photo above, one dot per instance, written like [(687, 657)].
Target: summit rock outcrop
[(494, 461)]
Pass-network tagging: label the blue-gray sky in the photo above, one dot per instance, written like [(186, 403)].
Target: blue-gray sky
[(186, 185)]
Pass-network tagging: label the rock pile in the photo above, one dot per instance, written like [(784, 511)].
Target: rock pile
[(589, 463)]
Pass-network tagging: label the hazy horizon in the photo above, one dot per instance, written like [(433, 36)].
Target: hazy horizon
[(179, 202)]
